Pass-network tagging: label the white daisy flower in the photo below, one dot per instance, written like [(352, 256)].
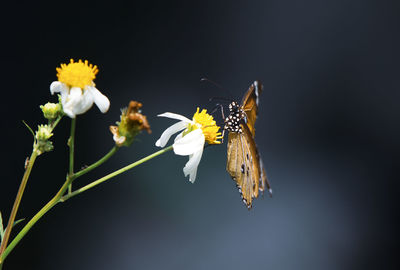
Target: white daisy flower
[(190, 142), (77, 89)]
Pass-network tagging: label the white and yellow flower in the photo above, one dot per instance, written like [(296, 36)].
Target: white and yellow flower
[(77, 89), (190, 142)]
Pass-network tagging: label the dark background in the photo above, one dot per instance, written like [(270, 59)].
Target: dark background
[(328, 131)]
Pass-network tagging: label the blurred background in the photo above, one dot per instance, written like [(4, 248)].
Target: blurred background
[(328, 131)]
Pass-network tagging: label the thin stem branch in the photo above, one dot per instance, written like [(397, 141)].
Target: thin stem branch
[(17, 202), (35, 218), (31, 161), (97, 163), (55, 123), (113, 174), (60, 197), (71, 144)]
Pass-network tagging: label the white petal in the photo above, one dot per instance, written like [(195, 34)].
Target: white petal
[(75, 95), (119, 140), (71, 102), (69, 112), (85, 103), (179, 136), (58, 87), (101, 100), (192, 165), (64, 96), (190, 143), (175, 116), (169, 132)]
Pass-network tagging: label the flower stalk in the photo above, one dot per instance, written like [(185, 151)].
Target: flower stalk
[(71, 144), (17, 202), (31, 161), (60, 197), (113, 174)]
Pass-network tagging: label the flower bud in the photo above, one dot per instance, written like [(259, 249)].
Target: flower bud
[(51, 110), (43, 134)]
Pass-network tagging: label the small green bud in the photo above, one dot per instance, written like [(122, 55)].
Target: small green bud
[(51, 110), (42, 136), (44, 146), (43, 133)]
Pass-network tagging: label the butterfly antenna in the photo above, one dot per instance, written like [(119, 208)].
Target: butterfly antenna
[(218, 86), (219, 98), (212, 82)]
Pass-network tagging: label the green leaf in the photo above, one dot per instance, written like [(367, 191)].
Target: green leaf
[(18, 221), (1, 228), (29, 128)]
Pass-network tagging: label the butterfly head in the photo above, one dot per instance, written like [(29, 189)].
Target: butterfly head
[(233, 107)]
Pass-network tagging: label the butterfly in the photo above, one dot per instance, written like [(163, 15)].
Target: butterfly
[(244, 163)]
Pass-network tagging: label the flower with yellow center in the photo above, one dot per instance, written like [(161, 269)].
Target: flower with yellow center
[(77, 89), (190, 142)]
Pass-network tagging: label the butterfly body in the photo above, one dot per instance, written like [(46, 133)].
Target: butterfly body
[(243, 160), (235, 117)]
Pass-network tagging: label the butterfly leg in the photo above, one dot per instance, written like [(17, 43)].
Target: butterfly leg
[(222, 112), (219, 105), (223, 133)]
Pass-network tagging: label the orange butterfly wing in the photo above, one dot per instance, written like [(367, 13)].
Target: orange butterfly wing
[(250, 104), (243, 164)]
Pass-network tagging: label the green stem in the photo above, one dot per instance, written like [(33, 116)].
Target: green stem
[(97, 163), (17, 202), (55, 123), (18, 199), (113, 174), (32, 222), (60, 198), (71, 144)]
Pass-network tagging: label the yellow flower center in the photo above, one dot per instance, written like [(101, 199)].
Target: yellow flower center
[(77, 74), (207, 124)]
